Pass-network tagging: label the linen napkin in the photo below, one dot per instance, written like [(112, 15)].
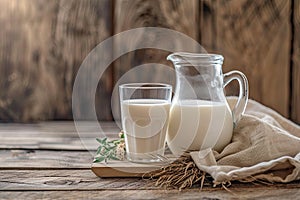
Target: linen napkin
[(264, 146)]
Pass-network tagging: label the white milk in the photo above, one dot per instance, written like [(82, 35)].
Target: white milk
[(198, 124), (145, 123)]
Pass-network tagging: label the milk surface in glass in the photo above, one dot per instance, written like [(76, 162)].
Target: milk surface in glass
[(145, 122)]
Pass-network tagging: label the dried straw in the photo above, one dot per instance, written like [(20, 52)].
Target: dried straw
[(180, 174), (184, 173)]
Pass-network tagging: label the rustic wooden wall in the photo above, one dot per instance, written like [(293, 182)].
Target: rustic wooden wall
[(178, 15), (26, 31), (295, 64), (254, 37), (42, 46), (44, 42)]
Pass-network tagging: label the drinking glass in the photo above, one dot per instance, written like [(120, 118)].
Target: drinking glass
[(144, 115)]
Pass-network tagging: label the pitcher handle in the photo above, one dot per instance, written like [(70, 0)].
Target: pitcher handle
[(240, 106)]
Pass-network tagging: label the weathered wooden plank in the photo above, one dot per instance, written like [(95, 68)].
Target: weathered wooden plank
[(237, 193), (35, 142), (31, 159), (55, 135), (295, 98), (254, 37), (42, 46), (179, 15), (81, 26), (29, 180), (25, 33), (58, 130)]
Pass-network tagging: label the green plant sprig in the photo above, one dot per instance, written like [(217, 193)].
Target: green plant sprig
[(110, 150)]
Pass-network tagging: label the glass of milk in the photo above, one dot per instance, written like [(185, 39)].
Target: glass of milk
[(144, 115)]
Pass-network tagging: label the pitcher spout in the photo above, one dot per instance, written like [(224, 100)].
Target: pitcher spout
[(175, 57), (182, 58)]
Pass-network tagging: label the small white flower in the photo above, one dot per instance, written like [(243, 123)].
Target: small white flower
[(120, 151), (121, 134)]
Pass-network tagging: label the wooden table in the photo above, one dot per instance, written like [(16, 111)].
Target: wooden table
[(48, 161)]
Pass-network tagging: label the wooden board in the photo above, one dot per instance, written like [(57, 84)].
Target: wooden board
[(295, 76), (42, 46), (254, 37), (123, 169)]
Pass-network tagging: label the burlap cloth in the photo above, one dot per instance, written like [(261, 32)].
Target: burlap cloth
[(265, 146)]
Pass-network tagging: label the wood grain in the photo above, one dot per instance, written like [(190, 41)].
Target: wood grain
[(62, 129), (295, 76), (265, 193), (42, 46), (254, 37), (24, 48), (44, 42), (81, 25), (124, 169), (179, 15), (30, 180), (39, 159), (55, 135), (57, 174), (22, 142)]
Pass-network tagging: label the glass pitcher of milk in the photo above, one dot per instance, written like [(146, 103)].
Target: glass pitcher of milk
[(200, 116)]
